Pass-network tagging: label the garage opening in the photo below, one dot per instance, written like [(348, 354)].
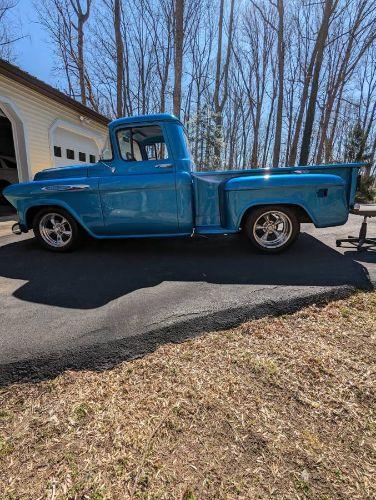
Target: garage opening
[(8, 163)]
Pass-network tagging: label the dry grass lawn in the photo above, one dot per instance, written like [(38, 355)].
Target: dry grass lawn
[(279, 407)]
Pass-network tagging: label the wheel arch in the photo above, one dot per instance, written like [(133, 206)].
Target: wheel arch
[(303, 214), (32, 211)]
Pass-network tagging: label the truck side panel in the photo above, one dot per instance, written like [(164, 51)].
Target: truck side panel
[(79, 196), (206, 190), (322, 196), (185, 201)]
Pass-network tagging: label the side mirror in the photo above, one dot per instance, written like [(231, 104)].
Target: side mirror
[(113, 169)]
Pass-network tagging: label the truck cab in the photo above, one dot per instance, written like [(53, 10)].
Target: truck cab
[(145, 164), (146, 185)]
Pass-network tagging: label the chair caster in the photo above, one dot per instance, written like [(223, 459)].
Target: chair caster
[(361, 242)]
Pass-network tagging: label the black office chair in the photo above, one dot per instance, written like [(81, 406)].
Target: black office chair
[(362, 242)]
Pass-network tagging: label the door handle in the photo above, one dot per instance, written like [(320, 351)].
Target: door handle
[(164, 165)]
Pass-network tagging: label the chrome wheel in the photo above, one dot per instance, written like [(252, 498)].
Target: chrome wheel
[(272, 229), (55, 230)]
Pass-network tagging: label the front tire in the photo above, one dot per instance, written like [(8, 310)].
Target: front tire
[(272, 229), (56, 230)]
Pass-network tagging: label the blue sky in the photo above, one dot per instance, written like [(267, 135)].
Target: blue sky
[(33, 53)]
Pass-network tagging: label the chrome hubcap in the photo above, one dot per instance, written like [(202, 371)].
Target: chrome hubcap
[(55, 230), (272, 229)]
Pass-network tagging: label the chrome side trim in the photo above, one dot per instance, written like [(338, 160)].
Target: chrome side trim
[(66, 187)]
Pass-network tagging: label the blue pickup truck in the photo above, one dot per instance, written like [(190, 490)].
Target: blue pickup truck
[(146, 185)]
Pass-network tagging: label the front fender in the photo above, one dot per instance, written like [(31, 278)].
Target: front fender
[(79, 197)]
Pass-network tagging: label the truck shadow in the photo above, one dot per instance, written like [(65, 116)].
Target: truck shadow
[(105, 270)]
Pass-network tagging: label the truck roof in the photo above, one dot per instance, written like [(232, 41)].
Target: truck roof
[(158, 117)]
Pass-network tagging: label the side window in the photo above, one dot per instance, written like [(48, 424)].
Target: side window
[(129, 149), (142, 143)]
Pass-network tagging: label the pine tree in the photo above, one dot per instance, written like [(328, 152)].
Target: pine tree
[(356, 145), (357, 151)]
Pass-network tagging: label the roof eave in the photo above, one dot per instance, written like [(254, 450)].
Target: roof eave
[(18, 75)]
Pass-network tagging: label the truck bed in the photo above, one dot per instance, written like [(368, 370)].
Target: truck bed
[(213, 191)]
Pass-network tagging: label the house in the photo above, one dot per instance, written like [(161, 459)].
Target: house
[(41, 127)]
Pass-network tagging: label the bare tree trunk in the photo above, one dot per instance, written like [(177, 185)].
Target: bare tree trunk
[(178, 55), (127, 95), (82, 17), (268, 127), (221, 75), (321, 39), (80, 57), (299, 120), (233, 131), (164, 79), (217, 107), (281, 71), (119, 58)]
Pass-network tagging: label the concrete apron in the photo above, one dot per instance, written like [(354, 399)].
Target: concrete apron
[(6, 224)]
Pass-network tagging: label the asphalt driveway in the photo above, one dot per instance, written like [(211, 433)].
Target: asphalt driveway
[(113, 300)]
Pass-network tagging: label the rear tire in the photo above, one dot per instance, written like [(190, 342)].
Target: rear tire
[(272, 229), (56, 230)]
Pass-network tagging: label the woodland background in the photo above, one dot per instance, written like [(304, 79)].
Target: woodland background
[(256, 82)]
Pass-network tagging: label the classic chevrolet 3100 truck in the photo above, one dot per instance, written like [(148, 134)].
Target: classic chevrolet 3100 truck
[(146, 185)]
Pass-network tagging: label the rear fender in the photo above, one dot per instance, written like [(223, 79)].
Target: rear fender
[(322, 196), (300, 208)]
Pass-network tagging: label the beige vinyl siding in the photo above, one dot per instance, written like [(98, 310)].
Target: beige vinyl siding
[(38, 114)]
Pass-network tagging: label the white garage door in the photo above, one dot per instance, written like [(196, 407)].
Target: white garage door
[(71, 148)]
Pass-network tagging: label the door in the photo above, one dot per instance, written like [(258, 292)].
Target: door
[(139, 197)]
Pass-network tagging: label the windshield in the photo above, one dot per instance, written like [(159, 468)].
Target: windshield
[(106, 154)]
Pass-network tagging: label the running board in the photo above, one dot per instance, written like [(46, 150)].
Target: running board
[(214, 230)]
